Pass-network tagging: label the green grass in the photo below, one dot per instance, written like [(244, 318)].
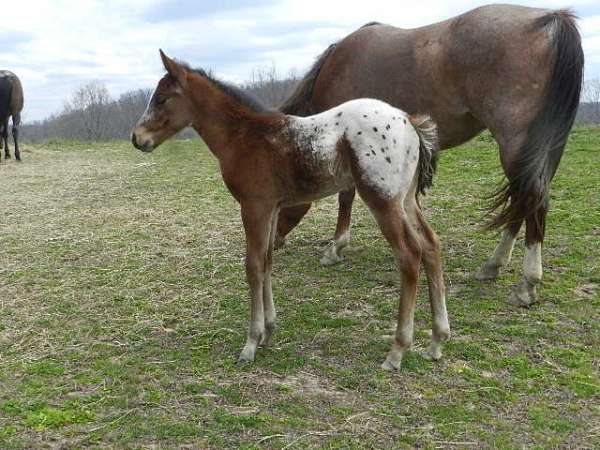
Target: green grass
[(123, 305)]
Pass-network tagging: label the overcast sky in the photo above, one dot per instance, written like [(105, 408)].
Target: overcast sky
[(56, 46)]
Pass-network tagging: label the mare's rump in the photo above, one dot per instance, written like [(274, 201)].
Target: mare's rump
[(5, 97)]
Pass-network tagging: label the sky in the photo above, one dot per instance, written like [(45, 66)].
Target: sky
[(56, 46)]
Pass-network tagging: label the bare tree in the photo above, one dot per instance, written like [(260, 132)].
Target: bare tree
[(91, 114), (269, 87), (590, 109), (90, 101)]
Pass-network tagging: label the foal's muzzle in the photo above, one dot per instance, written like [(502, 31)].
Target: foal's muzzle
[(145, 146)]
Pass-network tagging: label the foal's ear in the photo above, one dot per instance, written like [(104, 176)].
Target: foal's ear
[(176, 70)]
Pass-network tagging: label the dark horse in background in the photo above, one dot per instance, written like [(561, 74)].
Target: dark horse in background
[(11, 104), (514, 70)]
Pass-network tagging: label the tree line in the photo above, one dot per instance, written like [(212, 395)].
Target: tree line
[(91, 114)]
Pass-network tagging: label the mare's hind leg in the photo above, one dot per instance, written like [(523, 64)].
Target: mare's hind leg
[(15, 132), (394, 225), (501, 256), (432, 260), (341, 238), (288, 220), (4, 138), (524, 294)]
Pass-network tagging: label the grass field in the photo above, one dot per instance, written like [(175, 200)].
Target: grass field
[(123, 305)]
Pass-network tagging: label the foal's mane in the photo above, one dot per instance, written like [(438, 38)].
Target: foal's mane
[(244, 98)]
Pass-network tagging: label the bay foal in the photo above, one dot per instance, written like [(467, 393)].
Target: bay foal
[(269, 160)]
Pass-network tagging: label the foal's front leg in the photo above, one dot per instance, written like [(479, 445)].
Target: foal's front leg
[(257, 225)]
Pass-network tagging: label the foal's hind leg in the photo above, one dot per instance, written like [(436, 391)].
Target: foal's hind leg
[(502, 254), (432, 260), (341, 238), (397, 230)]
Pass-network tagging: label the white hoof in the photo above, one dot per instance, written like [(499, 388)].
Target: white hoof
[(393, 360), (434, 352), (330, 258)]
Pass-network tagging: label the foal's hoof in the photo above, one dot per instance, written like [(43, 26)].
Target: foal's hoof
[(433, 353), (393, 361), (391, 365), (266, 339), (246, 357), (6, 156), (487, 272), (523, 295), (331, 257), (244, 360)]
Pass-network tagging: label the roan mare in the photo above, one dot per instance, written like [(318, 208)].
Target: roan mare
[(11, 104), (269, 160), (514, 70)]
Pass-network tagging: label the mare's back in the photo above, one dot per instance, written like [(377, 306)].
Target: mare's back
[(448, 69)]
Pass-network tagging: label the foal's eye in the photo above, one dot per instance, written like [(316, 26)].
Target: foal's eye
[(161, 100)]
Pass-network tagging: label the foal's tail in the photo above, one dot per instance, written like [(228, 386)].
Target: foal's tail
[(429, 150), (525, 195)]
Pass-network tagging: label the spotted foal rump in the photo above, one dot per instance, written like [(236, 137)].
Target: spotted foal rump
[(269, 160), (365, 139)]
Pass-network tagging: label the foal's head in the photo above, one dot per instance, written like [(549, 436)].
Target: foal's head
[(169, 109)]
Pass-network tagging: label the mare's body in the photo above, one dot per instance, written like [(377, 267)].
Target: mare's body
[(514, 70)]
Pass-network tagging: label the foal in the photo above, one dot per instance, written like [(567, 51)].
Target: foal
[(269, 160)]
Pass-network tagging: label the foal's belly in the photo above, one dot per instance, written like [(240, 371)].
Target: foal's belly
[(310, 184)]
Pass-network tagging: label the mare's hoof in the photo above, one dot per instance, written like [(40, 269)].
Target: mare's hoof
[(523, 295), (279, 242), (487, 272)]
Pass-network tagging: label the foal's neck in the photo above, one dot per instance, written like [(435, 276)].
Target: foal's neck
[(221, 120)]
